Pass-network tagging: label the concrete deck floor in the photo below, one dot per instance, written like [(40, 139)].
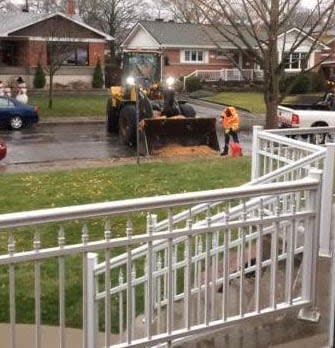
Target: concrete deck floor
[(281, 330)]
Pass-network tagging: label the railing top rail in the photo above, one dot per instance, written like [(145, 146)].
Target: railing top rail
[(277, 137), (281, 171), (299, 131), (209, 70), (190, 74), (43, 216)]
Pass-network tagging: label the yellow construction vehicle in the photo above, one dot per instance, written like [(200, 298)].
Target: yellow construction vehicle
[(147, 111)]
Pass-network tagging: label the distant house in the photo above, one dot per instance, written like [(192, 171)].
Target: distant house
[(327, 59), (24, 40), (186, 48)]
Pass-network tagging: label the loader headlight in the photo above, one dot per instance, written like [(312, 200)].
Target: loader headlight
[(130, 80), (170, 81)]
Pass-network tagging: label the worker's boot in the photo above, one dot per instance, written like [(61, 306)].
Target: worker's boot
[(225, 151)]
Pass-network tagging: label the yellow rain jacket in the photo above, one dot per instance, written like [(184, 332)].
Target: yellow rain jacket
[(232, 121)]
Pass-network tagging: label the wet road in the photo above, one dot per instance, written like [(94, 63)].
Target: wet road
[(46, 142), (67, 141)]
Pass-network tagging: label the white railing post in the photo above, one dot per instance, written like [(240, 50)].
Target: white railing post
[(255, 168), (326, 201), (332, 285), (310, 259), (92, 261)]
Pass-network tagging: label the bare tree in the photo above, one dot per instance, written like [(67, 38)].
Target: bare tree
[(254, 28), (184, 11), (114, 17), (60, 47), (7, 6)]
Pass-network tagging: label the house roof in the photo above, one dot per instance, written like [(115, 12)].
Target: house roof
[(172, 34), (14, 21), (309, 37)]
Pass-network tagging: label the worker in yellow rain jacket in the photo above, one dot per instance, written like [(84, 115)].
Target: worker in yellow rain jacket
[(231, 125)]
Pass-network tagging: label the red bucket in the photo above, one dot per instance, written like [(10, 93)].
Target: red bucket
[(235, 149), (3, 150)]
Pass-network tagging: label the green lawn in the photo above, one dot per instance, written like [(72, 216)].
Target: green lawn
[(30, 191), (95, 105), (64, 106), (251, 101), (254, 101)]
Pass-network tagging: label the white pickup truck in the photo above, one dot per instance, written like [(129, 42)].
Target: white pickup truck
[(318, 114)]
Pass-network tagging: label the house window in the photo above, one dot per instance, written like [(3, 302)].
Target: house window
[(9, 53), (220, 54), (68, 53), (194, 56), (296, 61)]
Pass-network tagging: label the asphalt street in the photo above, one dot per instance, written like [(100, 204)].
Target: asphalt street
[(60, 141)]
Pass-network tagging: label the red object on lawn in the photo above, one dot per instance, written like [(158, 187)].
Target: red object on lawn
[(3, 149), (235, 149)]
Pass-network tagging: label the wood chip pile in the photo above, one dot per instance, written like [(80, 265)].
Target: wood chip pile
[(178, 150)]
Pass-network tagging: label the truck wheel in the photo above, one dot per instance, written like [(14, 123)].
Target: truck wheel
[(127, 125), (112, 122), (319, 139), (187, 110)]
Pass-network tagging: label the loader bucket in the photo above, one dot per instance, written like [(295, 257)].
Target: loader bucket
[(162, 132)]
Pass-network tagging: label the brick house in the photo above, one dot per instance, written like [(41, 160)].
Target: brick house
[(25, 40), (185, 48)]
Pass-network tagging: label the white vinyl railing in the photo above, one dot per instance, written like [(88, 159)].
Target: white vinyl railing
[(157, 270), (278, 158), (234, 74), (184, 276)]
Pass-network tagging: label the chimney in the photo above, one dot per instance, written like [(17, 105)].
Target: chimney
[(25, 8), (69, 8)]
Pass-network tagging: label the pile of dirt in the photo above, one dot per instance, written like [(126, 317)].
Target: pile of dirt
[(178, 150)]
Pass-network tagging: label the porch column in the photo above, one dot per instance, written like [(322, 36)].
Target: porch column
[(326, 201)]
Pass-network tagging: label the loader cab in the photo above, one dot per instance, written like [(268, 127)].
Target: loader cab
[(146, 66)]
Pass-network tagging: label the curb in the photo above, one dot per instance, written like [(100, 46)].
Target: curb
[(70, 120)]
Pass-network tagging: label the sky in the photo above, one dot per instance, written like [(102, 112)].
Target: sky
[(305, 3)]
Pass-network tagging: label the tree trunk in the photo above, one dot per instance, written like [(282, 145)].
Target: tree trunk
[(50, 90), (112, 52), (272, 74), (271, 96)]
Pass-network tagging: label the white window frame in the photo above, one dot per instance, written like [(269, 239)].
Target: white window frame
[(293, 61), (192, 56)]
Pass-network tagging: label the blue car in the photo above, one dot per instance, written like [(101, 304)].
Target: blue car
[(15, 114)]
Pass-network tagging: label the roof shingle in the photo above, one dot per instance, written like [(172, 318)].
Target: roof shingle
[(13, 21), (188, 34)]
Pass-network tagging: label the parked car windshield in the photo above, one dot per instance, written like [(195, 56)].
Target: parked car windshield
[(5, 103)]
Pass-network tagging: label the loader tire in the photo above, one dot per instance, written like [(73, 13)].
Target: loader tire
[(112, 122), (127, 125), (187, 110)]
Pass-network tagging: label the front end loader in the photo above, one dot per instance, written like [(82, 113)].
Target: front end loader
[(162, 120)]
